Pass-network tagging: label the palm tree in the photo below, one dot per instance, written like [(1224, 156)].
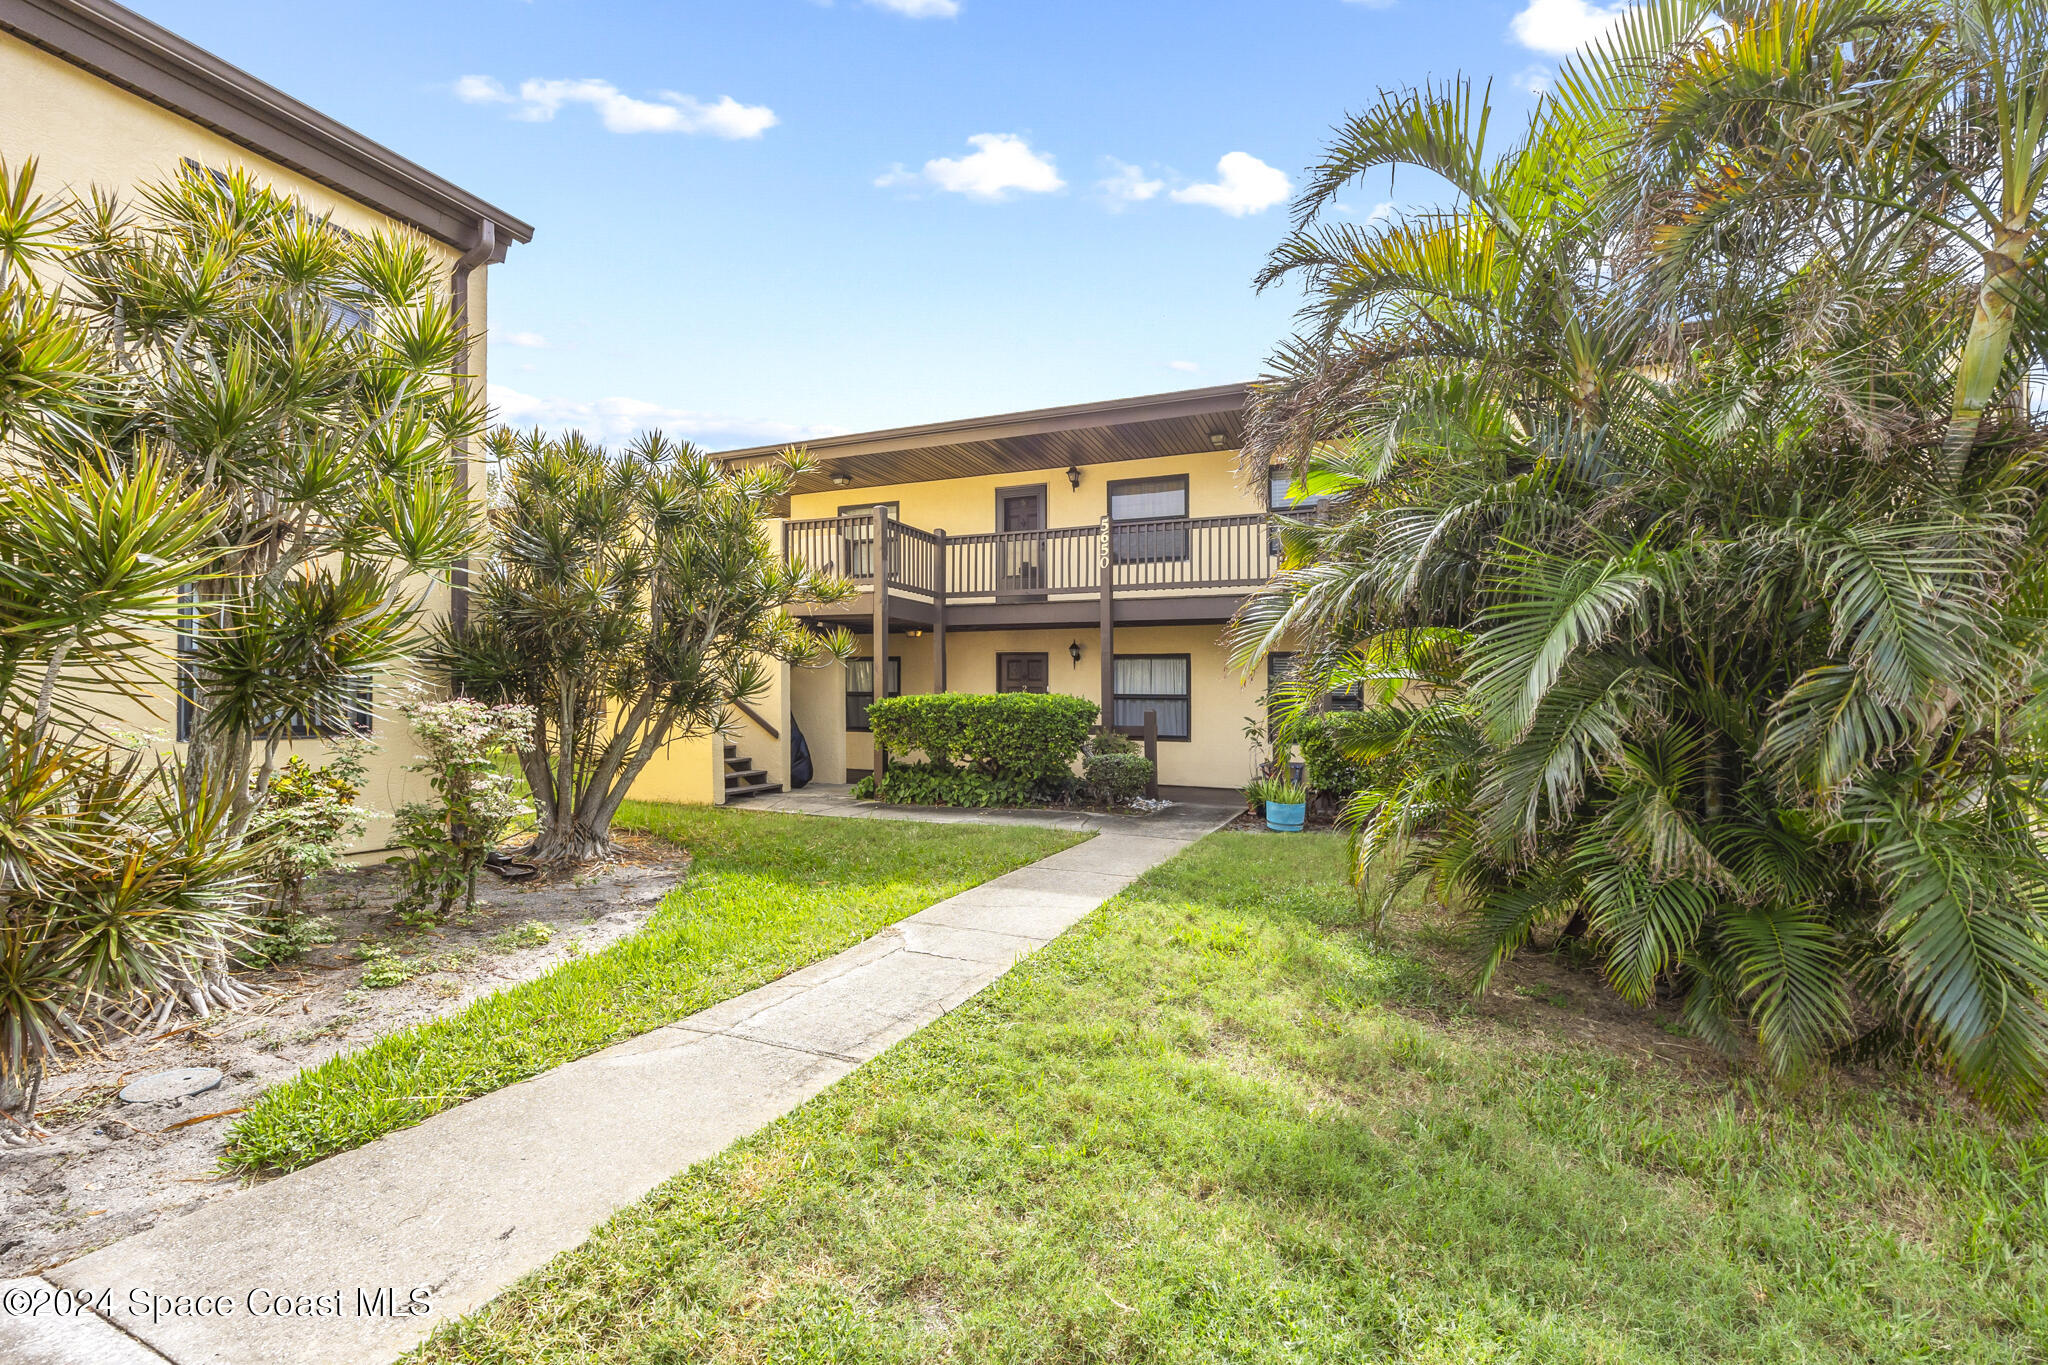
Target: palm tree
[(1707, 641)]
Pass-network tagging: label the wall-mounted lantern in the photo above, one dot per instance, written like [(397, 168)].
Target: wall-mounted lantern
[(1074, 653), (1074, 477)]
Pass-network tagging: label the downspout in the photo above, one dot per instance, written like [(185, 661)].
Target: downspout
[(477, 256)]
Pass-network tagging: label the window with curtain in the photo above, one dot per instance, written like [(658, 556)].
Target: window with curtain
[(1152, 682), (860, 688), (1148, 502)]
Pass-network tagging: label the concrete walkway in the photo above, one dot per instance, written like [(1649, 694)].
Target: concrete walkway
[(456, 1209)]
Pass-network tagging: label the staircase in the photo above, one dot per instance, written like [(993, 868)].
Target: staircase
[(743, 779)]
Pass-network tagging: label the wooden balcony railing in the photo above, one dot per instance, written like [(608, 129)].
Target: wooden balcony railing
[(1171, 555)]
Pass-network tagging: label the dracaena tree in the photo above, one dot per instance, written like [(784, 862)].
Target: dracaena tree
[(298, 378), (117, 883), (1687, 515), (301, 376), (630, 598)]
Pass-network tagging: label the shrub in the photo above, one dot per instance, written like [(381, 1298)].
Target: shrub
[(1112, 742), (1024, 737), (464, 740), (932, 784), (310, 817), (1323, 740), (1116, 779)]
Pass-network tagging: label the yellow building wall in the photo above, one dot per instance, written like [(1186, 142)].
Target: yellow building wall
[(689, 772), (968, 506), (86, 133)]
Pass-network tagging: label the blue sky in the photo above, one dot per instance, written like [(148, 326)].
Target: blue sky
[(760, 220)]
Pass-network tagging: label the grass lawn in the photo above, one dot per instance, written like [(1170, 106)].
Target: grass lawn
[(1216, 1123), (767, 894)]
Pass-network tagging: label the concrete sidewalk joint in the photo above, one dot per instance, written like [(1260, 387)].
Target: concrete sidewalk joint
[(460, 1206)]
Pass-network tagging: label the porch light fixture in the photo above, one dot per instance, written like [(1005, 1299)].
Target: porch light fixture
[(1217, 440), (841, 480), (1074, 653), (1074, 477)]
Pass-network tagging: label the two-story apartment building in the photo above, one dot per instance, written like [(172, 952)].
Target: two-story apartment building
[(1097, 550), (102, 97)]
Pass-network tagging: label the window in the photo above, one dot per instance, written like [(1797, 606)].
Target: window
[(1155, 505), (1280, 488), (354, 713), (857, 539), (1152, 682), (860, 688), (1280, 670)]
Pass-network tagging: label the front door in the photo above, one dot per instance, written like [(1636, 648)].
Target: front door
[(1020, 544), (1021, 672)]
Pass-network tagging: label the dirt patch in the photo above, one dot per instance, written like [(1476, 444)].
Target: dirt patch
[(112, 1169)]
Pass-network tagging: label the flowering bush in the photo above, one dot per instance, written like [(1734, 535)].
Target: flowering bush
[(310, 817), (478, 803)]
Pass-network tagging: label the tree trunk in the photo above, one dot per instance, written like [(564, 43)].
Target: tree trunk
[(1983, 360), (570, 843), (17, 1107)]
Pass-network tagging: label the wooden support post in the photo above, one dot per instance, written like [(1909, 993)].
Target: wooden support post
[(939, 614), (881, 581), (1152, 751), (1108, 628)]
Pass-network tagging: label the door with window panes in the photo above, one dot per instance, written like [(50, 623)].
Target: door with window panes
[(1020, 543)]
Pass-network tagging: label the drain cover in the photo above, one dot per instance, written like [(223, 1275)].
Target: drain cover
[(162, 1086)]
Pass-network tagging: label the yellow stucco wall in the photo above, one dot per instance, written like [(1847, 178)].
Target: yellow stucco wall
[(85, 133), (968, 506)]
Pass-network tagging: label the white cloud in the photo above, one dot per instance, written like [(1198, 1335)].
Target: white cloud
[(530, 339), (614, 420), (1001, 163), (920, 9), (1244, 184), (1533, 80), (1383, 209), (1184, 366), (538, 101), (1562, 27), (1127, 185)]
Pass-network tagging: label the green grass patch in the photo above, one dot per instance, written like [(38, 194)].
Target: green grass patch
[(768, 893), (1218, 1122)]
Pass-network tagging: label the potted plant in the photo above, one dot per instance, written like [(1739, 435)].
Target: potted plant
[(1286, 803)]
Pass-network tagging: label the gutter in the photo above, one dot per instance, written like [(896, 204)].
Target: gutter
[(485, 251)]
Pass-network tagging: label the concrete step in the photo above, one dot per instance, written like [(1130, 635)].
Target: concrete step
[(742, 793), (744, 777)]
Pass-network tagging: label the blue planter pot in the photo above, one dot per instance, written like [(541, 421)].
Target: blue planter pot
[(1282, 819)]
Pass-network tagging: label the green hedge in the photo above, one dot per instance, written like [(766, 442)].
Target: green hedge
[(1323, 741), (931, 784), (1014, 737)]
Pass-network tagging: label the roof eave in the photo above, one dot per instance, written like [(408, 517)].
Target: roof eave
[(128, 51)]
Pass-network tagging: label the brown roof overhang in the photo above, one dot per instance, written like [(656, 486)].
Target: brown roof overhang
[(1047, 438), (128, 50)]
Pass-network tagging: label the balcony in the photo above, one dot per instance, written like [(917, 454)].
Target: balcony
[(1182, 569)]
